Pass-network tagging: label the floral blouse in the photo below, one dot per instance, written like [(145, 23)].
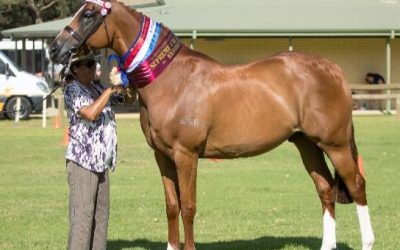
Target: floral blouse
[(92, 144)]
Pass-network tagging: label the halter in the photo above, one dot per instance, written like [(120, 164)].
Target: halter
[(105, 10)]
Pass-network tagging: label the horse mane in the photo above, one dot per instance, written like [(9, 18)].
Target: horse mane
[(131, 11)]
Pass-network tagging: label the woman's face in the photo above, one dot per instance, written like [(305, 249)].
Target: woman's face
[(85, 70)]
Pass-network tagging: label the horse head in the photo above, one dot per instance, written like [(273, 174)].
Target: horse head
[(93, 25)]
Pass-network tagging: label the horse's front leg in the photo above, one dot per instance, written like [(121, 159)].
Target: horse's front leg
[(186, 166), (171, 187)]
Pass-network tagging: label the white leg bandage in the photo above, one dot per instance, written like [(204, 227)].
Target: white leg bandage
[(170, 247), (365, 226), (329, 238)]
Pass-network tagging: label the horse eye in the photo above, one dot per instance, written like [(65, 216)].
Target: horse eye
[(88, 14)]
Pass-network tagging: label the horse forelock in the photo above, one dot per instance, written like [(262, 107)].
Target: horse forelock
[(122, 3), (77, 13)]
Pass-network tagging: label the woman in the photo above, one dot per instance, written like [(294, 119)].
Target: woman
[(91, 151)]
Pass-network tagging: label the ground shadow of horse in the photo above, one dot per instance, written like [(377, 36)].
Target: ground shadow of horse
[(269, 243)]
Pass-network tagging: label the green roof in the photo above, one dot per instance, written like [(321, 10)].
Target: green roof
[(41, 30), (260, 18), (372, 17)]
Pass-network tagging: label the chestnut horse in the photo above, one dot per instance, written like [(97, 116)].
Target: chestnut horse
[(198, 108)]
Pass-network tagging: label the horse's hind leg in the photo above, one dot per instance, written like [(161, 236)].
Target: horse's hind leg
[(315, 164), (346, 167), (171, 187)]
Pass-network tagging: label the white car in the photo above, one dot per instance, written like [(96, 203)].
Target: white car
[(16, 83)]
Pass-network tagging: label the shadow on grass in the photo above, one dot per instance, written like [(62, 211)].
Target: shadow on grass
[(256, 244)]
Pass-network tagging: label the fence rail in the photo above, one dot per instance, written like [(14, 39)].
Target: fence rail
[(392, 86), (378, 92)]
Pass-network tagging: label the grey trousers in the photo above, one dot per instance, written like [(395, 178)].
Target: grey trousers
[(89, 203)]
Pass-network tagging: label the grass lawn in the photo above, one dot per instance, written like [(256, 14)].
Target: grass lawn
[(264, 202)]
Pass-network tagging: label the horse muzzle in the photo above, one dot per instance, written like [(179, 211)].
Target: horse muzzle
[(55, 51), (59, 53)]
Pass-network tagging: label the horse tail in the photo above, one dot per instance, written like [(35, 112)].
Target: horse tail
[(342, 193)]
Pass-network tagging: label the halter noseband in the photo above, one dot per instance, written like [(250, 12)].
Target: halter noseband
[(73, 33)]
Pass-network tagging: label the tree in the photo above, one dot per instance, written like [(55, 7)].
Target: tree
[(36, 9), (16, 13)]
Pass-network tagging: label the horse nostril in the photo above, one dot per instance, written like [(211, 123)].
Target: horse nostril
[(54, 50), (73, 50)]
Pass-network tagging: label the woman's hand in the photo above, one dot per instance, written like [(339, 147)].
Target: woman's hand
[(118, 89)]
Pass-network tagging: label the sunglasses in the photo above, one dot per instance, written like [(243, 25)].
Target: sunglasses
[(87, 63)]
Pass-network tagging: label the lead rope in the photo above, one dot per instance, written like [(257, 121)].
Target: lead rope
[(67, 69)]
